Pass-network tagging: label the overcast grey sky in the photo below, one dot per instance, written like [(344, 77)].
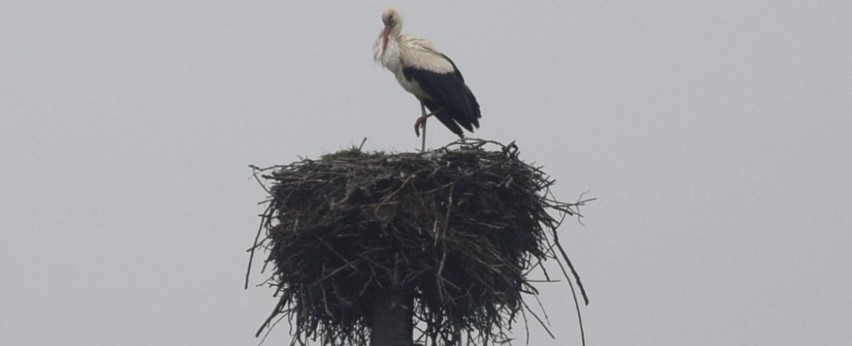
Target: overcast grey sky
[(716, 135)]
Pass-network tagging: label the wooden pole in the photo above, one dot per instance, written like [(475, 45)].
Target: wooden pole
[(392, 318)]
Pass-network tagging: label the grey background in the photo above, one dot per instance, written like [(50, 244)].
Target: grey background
[(716, 135)]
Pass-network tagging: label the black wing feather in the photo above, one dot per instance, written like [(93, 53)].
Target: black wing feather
[(449, 97)]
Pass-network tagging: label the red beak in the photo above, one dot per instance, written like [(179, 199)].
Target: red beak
[(385, 34)]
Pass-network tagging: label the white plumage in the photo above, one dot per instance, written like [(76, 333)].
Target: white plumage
[(428, 74)]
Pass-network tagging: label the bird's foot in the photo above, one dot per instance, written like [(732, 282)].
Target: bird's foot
[(420, 123)]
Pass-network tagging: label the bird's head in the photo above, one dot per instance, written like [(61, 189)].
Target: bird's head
[(393, 25), (391, 17)]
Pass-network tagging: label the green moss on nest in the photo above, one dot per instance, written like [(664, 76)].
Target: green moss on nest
[(352, 153)]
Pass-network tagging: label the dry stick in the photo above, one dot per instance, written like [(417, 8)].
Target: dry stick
[(567, 210), (571, 266), (292, 175), (251, 256), (395, 281), (386, 199), (540, 322), (268, 331), (271, 316), (331, 248), (324, 298), (256, 169), (574, 295), (444, 242), (553, 228), (543, 311)]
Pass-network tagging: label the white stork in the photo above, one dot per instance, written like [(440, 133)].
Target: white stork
[(429, 75)]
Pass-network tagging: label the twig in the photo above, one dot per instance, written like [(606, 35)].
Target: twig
[(337, 228)]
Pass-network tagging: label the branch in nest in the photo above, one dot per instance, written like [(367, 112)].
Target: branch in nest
[(458, 227)]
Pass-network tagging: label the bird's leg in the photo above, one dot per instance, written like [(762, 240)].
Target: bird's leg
[(421, 123)]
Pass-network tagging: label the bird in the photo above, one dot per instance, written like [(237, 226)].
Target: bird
[(431, 76)]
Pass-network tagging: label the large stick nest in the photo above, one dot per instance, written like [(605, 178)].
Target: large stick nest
[(459, 227)]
